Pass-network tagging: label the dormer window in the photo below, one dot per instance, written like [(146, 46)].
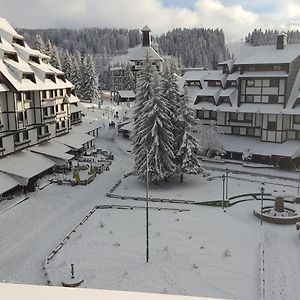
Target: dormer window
[(29, 76), (44, 60), (11, 55), (0, 40), (34, 59), (61, 77), (50, 77), (18, 41)]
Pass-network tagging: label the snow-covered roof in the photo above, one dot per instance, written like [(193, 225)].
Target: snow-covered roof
[(233, 76), (216, 75), (262, 74), (7, 183), (21, 72), (195, 75), (127, 94), (137, 53), (210, 92), (3, 88), (75, 109), (268, 55), (229, 63), (74, 140), (127, 127), (146, 28), (240, 144), (24, 165), (53, 149), (85, 128)]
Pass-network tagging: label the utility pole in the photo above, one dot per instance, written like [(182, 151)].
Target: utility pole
[(227, 173), (262, 190), (147, 206), (223, 179)]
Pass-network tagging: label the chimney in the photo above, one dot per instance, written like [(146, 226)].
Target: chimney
[(281, 41), (146, 37)]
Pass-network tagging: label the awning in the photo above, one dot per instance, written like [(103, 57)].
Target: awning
[(74, 140), (53, 150), (7, 183), (24, 165)]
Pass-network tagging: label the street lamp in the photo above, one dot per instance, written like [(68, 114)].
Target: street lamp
[(147, 206), (227, 172), (223, 179), (298, 188), (262, 190)]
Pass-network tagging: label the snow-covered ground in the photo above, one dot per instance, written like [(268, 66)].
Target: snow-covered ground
[(178, 263)]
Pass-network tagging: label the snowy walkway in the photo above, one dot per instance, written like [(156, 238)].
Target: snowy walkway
[(31, 229)]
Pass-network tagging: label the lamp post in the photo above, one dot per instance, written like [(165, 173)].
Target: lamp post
[(262, 190), (223, 179), (298, 188), (147, 206), (227, 172)]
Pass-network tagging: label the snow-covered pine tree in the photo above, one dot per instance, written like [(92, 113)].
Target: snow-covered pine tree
[(186, 158), (129, 80), (39, 43), (75, 75), (171, 94), (67, 65), (157, 135), (89, 86), (152, 131)]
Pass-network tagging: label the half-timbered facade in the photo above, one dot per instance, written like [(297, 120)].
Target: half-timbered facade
[(35, 98), (256, 95)]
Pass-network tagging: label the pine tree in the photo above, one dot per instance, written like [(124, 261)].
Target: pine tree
[(39, 43), (89, 85), (152, 132), (129, 80), (186, 157), (67, 65)]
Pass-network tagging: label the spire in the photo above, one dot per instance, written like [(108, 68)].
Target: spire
[(146, 36)]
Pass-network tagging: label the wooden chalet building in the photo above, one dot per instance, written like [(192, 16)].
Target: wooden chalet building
[(255, 101)]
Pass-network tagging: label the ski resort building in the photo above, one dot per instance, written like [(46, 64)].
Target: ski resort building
[(255, 101), (134, 58), (37, 103)]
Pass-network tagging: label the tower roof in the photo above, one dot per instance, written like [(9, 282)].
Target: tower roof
[(146, 28)]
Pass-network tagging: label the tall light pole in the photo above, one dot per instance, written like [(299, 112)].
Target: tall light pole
[(262, 190), (227, 172), (223, 179), (147, 206), (298, 188)]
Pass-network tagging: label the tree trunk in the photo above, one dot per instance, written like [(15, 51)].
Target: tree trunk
[(181, 178)]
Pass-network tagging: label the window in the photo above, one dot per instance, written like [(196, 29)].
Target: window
[(1, 143), (274, 82), (29, 76), (248, 117), (61, 77), (51, 94), (18, 41), (233, 116), (236, 130), (39, 131), (213, 115), (249, 98), (224, 100), (16, 138), (200, 114), (250, 131), (273, 99), (68, 91), (25, 135), (18, 96), (204, 99), (34, 59), (63, 124), (50, 77), (272, 125), (250, 83), (297, 135), (61, 92), (62, 107), (45, 111), (44, 94), (52, 112), (297, 119), (57, 126), (46, 129), (11, 55), (27, 95), (20, 116)]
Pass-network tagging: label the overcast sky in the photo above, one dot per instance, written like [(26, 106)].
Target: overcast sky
[(236, 17)]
